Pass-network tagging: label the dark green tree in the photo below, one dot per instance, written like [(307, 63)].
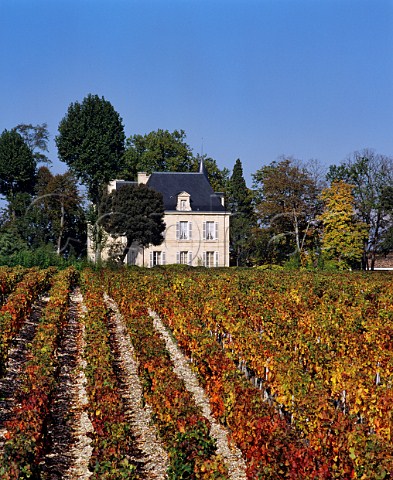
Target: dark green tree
[(164, 151), (386, 244), (242, 220), (10, 241), (157, 151), (135, 212), (24, 219), (387, 198), (58, 205), (91, 142), (36, 138), (264, 246), (53, 216), (17, 166), (371, 174)]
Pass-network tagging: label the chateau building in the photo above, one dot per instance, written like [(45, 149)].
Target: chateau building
[(197, 222)]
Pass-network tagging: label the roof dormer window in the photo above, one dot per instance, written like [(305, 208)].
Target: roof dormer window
[(183, 202)]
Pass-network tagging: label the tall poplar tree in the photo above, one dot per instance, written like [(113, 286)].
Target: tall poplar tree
[(91, 142)]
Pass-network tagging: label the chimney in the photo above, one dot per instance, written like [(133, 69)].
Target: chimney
[(143, 177), (112, 186)]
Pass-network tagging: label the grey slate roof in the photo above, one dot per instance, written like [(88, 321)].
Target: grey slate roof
[(170, 184)]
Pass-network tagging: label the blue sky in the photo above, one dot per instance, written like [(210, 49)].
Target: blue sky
[(245, 79)]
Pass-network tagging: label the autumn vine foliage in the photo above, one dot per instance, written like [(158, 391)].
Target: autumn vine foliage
[(113, 444), (8, 279), (185, 432), (18, 306), (299, 369), (25, 429)]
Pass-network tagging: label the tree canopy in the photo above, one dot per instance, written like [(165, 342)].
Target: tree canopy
[(343, 234), (164, 151), (370, 174), (36, 138), (51, 216), (287, 203), (135, 212), (218, 177), (242, 219), (157, 151), (59, 204), (17, 165), (91, 142), (279, 220)]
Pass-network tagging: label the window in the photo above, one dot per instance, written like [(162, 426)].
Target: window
[(157, 258), (183, 202), (183, 230), (210, 230), (184, 258), (210, 259)]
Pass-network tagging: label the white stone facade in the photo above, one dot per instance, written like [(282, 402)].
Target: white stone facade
[(192, 237)]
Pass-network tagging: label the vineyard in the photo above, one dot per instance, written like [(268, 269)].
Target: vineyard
[(195, 374)]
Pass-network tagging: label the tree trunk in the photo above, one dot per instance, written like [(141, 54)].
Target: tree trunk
[(297, 236), (304, 236), (11, 204), (372, 264), (126, 249), (375, 239), (97, 244), (61, 229), (365, 265), (97, 236)]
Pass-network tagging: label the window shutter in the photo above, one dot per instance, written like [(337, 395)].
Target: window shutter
[(151, 259), (216, 232), (216, 259), (204, 258), (163, 258), (177, 230), (189, 230), (177, 257), (189, 258), (204, 231)]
